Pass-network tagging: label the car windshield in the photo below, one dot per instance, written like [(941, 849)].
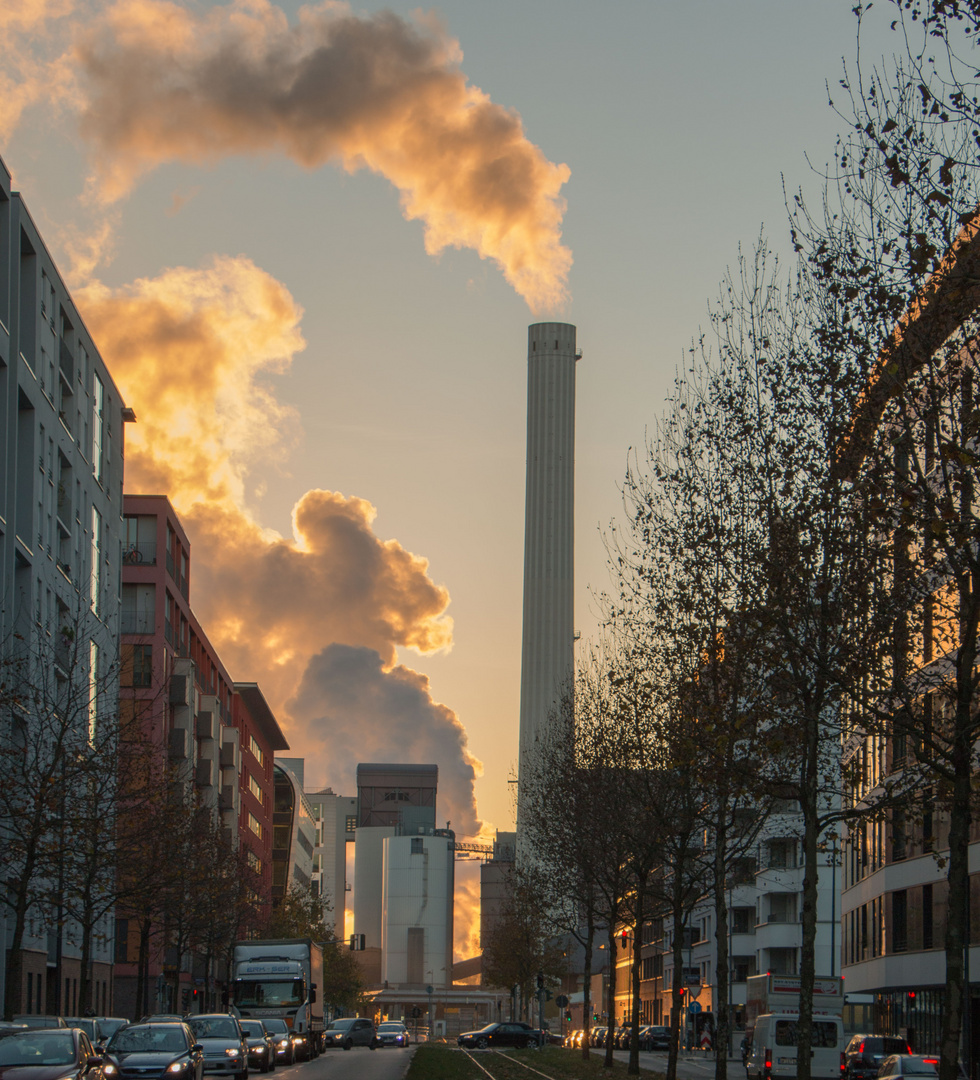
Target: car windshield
[(344, 1024), (286, 993), (252, 1027), (276, 1027), (391, 1027), (917, 1066), (148, 1039), (110, 1026), (214, 1027), (823, 1034), (88, 1026), (38, 1048)]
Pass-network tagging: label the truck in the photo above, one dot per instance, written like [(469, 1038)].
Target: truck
[(281, 979), (772, 1014)]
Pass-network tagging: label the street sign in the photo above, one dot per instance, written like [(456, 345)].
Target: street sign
[(694, 1007), (561, 1001), (429, 990)]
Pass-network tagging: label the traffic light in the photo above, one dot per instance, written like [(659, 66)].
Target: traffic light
[(682, 992), (540, 980), (911, 997), (185, 998), (568, 1015), (625, 938)]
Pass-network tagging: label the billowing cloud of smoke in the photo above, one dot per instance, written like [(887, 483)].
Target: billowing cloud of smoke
[(193, 352), (162, 83), (354, 710)]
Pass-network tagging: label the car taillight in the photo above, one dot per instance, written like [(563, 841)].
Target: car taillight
[(767, 1067), (843, 1060)]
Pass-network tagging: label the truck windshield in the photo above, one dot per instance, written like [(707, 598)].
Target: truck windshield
[(268, 993)]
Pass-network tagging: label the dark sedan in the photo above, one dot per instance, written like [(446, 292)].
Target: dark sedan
[(898, 1065), (513, 1034), (225, 1049), (49, 1054), (281, 1039), (154, 1052), (392, 1033), (261, 1046)]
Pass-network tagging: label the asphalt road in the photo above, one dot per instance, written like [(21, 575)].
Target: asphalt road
[(359, 1063)]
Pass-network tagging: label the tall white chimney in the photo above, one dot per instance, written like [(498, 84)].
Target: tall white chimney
[(547, 654)]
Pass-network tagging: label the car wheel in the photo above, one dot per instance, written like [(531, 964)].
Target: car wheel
[(481, 1043), (373, 1044), (348, 1043)]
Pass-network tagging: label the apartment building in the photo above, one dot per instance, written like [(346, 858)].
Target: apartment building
[(213, 738), (61, 469)]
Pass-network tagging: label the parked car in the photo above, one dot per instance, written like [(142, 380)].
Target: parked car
[(49, 1054), (351, 1031), (898, 1065), (281, 1037), (224, 1045), (36, 1020), (655, 1037), (514, 1034), (597, 1037), (392, 1033), (864, 1054), (261, 1045), (146, 1051)]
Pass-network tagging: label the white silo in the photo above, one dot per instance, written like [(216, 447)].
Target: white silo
[(547, 654)]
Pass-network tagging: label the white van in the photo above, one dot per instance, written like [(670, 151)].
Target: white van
[(772, 1055)]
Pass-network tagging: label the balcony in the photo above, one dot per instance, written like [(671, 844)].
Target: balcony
[(142, 553)]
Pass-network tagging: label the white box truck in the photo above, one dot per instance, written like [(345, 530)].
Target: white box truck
[(281, 979), (772, 1015)]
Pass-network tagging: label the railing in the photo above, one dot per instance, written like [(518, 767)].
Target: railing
[(143, 553)]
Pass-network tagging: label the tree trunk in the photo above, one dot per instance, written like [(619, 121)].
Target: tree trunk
[(633, 1069), (809, 797), (677, 1018), (611, 996), (722, 915), (587, 982)]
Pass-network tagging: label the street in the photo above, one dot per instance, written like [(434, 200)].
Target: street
[(357, 1064)]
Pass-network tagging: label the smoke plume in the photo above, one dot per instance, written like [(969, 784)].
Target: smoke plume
[(315, 618), (162, 83)]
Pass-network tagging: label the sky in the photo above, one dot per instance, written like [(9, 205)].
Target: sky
[(309, 240)]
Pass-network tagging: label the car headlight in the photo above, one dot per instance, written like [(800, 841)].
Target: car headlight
[(232, 1051), (177, 1066), (284, 1043), (109, 1070)]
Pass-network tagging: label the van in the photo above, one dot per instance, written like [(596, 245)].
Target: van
[(772, 1054)]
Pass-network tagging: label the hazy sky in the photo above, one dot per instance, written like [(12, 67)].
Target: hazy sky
[(227, 187)]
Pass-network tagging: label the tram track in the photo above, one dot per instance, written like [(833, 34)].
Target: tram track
[(505, 1066)]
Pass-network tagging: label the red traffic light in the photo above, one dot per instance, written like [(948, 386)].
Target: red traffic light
[(911, 995), (682, 991), (625, 938)]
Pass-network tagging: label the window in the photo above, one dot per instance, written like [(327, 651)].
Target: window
[(350, 823), (255, 787), (418, 848), (255, 825), (137, 665), (95, 580), (900, 940), (122, 941), (254, 862), (93, 691), (98, 406), (782, 853), (743, 920), (898, 835), (927, 941), (139, 609), (280, 837), (255, 748)]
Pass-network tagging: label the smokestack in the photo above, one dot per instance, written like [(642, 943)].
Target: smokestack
[(547, 654)]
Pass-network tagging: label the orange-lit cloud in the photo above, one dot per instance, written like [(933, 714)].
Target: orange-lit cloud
[(163, 83), (33, 69), (466, 913), (315, 618)]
